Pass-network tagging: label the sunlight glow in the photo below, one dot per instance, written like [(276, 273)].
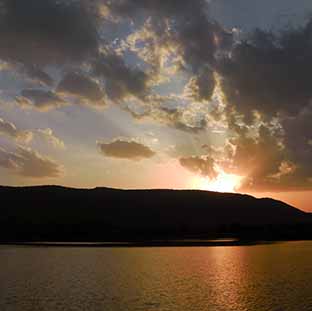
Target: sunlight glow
[(222, 183)]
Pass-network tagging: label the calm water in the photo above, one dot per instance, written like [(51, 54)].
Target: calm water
[(263, 277)]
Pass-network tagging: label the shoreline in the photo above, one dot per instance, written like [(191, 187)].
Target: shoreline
[(139, 244)]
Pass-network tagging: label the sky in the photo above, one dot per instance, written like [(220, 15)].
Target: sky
[(203, 94)]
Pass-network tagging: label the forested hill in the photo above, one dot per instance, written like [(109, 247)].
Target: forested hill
[(52, 213)]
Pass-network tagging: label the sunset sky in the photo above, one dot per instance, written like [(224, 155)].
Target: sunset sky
[(207, 94)]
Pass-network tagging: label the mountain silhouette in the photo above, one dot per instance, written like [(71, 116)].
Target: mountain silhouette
[(54, 213)]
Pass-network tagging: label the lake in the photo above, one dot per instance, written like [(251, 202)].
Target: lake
[(258, 278)]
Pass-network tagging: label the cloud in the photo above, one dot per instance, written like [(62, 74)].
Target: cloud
[(40, 99), (9, 129), (47, 32), (123, 149), (81, 86), (48, 136), (257, 158), (201, 87), (298, 143), (29, 163), (169, 110), (180, 119), (179, 23), (38, 75), (26, 136), (299, 127), (120, 80), (176, 34), (268, 157), (266, 81), (167, 62), (270, 72), (205, 166)]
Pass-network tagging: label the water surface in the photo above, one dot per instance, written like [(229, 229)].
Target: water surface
[(259, 278)]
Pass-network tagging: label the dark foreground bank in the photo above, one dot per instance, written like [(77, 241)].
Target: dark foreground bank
[(145, 217)]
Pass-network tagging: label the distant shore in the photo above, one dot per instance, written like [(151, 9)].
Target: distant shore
[(140, 218), (156, 243)]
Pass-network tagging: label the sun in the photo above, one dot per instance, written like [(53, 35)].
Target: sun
[(222, 183)]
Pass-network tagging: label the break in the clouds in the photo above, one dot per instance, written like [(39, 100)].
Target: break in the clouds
[(124, 149), (172, 66)]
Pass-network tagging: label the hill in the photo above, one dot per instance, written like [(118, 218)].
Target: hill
[(53, 213)]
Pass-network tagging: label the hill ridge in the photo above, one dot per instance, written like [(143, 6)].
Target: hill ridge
[(52, 212)]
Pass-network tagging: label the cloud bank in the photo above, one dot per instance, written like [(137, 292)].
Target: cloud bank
[(168, 63)]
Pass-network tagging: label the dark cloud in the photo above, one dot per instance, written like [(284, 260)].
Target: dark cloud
[(298, 141), (29, 163), (40, 99), (123, 149), (120, 80), (46, 32), (204, 166), (38, 75), (270, 72), (167, 8), (201, 86), (82, 86), (298, 136)]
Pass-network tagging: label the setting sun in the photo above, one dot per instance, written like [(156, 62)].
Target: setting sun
[(222, 183)]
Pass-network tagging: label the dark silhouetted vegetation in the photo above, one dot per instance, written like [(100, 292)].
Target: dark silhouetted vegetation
[(51, 213)]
